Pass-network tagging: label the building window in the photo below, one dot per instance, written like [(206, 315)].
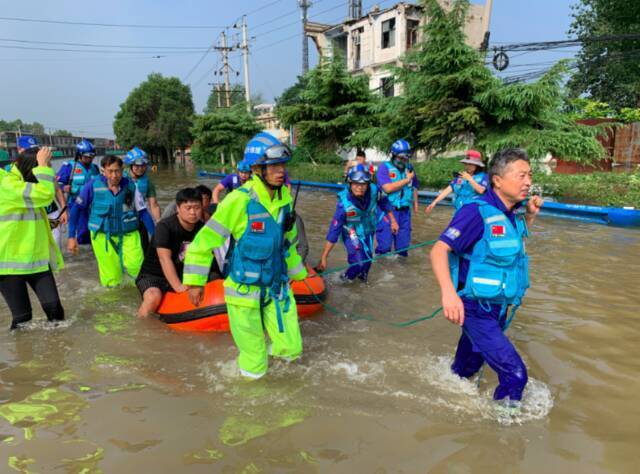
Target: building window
[(412, 33), (357, 48), (386, 86), (389, 33)]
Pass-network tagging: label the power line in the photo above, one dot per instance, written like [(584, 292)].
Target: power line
[(95, 45), (197, 64), (545, 45), (69, 50), (113, 25), (264, 7)]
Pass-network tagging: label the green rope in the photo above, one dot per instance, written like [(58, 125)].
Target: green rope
[(359, 317), (379, 257)]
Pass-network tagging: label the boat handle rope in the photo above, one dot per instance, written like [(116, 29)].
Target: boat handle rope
[(360, 317)]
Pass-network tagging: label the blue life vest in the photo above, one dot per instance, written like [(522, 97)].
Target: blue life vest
[(498, 266), (142, 184), (362, 221), (80, 176), (464, 192), (113, 214), (404, 196), (259, 255)]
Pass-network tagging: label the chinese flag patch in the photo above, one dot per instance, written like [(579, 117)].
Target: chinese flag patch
[(351, 214), (78, 171), (497, 231), (392, 175), (257, 226)]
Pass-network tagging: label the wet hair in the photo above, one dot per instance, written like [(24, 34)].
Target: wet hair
[(25, 163), (111, 159), (188, 195), (204, 190), (503, 158)]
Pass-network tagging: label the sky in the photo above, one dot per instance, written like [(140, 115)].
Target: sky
[(81, 91)]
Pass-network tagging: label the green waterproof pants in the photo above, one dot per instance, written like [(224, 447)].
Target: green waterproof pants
[(247, 329), (110, 265)]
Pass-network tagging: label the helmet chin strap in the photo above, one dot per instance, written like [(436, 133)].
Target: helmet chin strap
[(263, 170), (398, 163)]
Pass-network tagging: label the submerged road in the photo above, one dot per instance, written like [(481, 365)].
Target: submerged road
[(112, 392)]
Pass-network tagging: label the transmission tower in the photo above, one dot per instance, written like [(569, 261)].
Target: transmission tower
[(355, 9), (304, 6)]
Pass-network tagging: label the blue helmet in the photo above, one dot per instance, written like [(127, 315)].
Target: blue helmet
[(265, 149), (358, 174), (401, 148), (136, 156), (85, 148), (27, 141), (244, 167)]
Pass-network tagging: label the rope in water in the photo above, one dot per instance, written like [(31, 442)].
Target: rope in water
[(359, 317)]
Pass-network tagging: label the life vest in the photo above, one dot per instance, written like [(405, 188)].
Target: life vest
[(404, 196), (81, 176), (498, 266), (464, 192), (361, 221), (113, 214), (259, 255), (142, 184)]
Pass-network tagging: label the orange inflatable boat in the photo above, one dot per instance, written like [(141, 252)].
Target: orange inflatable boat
[(211, 316)]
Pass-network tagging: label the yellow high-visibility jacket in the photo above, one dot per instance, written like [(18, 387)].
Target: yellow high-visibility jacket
[(230, 219), (26, 242)]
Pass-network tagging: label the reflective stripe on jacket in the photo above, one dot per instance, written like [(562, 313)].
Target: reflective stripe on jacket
[(498, 266), (26, 242), (231, 219)]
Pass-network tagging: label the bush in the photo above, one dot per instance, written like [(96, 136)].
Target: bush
[(603, 189), (305, 154)]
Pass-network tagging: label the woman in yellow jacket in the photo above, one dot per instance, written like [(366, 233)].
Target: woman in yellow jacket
[(28, 252)]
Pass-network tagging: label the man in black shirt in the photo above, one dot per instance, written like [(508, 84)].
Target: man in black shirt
[(164, 261)]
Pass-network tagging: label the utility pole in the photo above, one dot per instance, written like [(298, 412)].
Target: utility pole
[(355, 9), (486, 21), (225, 68), (304, 5), (245, 55)]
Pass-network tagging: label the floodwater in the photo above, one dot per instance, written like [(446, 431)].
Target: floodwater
[(109, 392)]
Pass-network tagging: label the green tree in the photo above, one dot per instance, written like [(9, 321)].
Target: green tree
[(449, 96), (223, 131), (608, 71), (62, 133), (328, 107), (156, 116), (292, 95), (440, 78), (218, 97), (35, 128)]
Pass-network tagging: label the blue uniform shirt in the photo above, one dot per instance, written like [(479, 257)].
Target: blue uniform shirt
[(64, 173), (484, 181), (466, 228), (231, 182), (340, 216), (383, 177)]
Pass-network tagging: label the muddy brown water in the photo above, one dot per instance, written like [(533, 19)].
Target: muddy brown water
[(109, 392)]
